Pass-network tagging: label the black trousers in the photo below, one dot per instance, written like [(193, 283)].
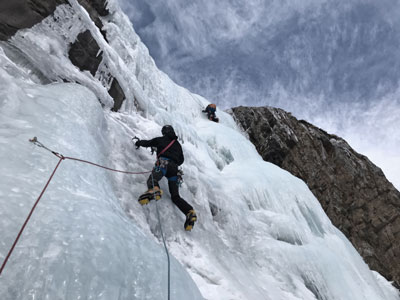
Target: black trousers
[(211, 116), (170, 170)]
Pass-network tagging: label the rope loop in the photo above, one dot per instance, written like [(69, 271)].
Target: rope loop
[(61, 157)]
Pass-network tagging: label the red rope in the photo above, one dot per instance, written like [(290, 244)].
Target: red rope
[(61, 157), (114, 170), (166, 148), (29, 216)]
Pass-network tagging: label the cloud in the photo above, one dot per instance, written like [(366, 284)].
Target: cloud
[(334, 63)]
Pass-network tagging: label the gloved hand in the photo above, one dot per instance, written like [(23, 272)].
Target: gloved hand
[(138, 143)]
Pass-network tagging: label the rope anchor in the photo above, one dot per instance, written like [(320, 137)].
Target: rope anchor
[(35, 141)]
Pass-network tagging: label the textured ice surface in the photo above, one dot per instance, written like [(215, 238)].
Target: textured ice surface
[(80, 243), (261, 234)]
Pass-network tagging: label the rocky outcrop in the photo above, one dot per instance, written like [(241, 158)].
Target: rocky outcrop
[(96, 9), (20, 14), (117, 94), (354, 192), (84, 52)]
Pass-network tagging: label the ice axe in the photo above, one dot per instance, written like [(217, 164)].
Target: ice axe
[(137, 147), (133, 140)]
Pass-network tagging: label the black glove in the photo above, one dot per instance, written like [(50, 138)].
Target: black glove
[(138, 144)]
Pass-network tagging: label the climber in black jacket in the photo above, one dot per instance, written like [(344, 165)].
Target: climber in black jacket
[(169, 157)]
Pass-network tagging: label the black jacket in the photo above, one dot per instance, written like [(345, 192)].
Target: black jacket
[(174, 152)]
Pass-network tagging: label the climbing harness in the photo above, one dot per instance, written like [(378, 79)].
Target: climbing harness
[(161, 165), (61, 158), (179, 177)]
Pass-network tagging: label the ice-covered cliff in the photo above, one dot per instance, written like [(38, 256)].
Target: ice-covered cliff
[(333, 63), (261, 234)]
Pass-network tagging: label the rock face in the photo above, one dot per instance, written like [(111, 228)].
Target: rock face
[(354, 192), (83, 52), (117, 94), (20, 14)]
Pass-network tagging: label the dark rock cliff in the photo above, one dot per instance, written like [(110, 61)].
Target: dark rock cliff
[(354, 192), (20, 14), (84, 52)]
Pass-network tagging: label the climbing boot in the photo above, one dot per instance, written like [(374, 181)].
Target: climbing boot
[(150, 195), (190, 219)]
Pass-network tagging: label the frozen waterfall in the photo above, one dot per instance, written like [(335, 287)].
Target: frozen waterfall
[(260, 234)]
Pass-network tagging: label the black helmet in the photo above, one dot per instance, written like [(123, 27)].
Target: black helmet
[(168, 131)]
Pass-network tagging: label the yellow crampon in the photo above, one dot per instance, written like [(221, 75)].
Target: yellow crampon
[(150, 194), (190, 219)]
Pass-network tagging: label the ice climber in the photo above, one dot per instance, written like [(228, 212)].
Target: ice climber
[(210, 110), (169, 157)]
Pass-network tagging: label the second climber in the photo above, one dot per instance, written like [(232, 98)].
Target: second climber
[(210, 110)]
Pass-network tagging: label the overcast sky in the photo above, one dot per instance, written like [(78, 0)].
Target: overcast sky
[(334, 63)]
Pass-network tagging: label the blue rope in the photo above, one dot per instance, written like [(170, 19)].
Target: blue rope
[(162, 235)]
